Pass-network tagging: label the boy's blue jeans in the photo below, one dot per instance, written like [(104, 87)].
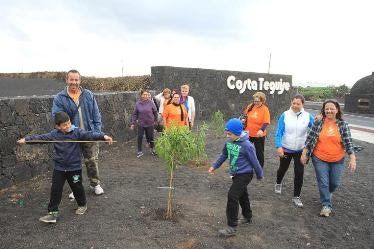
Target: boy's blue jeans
[(328, 175)]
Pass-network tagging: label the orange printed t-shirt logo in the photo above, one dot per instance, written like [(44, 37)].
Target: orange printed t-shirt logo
[(256, 118), (329, 147), (253, 115)]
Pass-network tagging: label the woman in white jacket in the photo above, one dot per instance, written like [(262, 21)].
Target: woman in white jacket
[(163, 99), (189, 103), (291, 133)]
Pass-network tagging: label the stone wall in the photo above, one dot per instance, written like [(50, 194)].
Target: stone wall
[(359, 103), (32, 115), (212, 91)]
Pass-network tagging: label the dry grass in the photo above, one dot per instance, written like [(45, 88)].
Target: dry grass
[(127, 83)]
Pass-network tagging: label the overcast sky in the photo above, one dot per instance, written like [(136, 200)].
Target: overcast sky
[(319, 41)]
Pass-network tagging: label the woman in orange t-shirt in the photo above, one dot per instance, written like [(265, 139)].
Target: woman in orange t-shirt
[(257, 118), (175, 113), (327, 142)]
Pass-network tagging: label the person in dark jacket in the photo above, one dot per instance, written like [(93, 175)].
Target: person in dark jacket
[(144, 117), (243, 162), (67, 162), (81, 106)]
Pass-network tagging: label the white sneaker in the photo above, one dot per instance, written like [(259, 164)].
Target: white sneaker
[(81, 210), (278, 188), (297, 202), (325, 211), (71, 196), (98, 189)]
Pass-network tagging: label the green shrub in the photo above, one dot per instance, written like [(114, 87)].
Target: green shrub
[(176, 146), (217, 123), (200, 156), (323, 93)]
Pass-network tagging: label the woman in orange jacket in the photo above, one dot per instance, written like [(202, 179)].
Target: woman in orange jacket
[(257, 118), (175, 113)]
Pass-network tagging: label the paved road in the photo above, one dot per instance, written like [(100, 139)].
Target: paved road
[(353, 119)]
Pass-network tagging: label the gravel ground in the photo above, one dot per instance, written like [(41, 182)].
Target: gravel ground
[(130, 213)]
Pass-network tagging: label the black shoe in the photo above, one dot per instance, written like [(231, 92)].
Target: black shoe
[(227, 231)]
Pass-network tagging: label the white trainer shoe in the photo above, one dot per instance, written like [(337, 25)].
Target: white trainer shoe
[(297, 202), (71, 196), (325, 211), (81, 210), (98, 189), (278, 188)]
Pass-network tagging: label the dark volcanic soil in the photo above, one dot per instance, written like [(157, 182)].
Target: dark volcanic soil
[(130, 213)]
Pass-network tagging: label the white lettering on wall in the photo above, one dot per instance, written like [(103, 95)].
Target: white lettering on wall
[(262, 85), (230, 85)]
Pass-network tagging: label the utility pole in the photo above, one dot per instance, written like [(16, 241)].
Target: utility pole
[(269, 63), (122, 67)]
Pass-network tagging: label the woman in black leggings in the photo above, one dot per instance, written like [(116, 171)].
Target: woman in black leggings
[(145, 117), (292, 129)]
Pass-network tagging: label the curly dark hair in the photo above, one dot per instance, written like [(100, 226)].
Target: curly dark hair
[(339, 115)]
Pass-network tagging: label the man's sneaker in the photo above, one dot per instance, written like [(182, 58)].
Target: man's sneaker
[(325, 211), (242, 221), (140, 154), (153, 152), (278, 188), (297, 202), (81, 210), (98, 189), (71, 196), (49, 218), (227, 231)]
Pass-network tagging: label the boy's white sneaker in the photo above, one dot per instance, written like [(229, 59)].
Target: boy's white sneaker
[(71, 196)]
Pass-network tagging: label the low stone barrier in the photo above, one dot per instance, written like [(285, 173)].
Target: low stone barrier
[(22, 116)]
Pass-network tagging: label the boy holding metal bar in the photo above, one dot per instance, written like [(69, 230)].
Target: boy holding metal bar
[(67, 158)]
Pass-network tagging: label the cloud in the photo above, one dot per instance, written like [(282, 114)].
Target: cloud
[(318, 41)]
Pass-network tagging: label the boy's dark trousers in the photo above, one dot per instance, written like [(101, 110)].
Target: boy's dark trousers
[(74, 179), (238, 194), (259, 143), (284, 163)]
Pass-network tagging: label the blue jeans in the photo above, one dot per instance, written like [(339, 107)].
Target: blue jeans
[(328, 177)]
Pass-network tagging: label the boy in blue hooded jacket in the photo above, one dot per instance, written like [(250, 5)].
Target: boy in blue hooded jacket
[(243, 161), (67, 158)]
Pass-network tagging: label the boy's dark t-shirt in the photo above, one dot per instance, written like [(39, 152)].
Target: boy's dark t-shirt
[(67, 156)]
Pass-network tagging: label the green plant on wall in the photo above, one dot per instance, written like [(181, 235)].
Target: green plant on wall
[(177, 146), (217, 123)]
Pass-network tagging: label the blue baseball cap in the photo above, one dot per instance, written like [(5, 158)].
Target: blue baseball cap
[(234, 126)]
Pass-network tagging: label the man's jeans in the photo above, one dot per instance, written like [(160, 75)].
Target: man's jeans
[(328, 177)]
